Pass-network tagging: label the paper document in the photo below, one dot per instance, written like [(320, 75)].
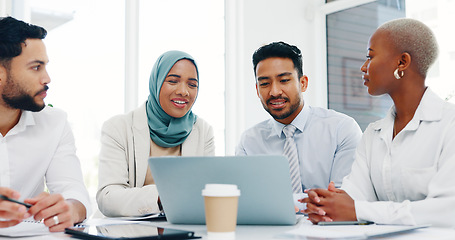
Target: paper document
[(25, 228), (350, 231), (146, 217), (121, 220)]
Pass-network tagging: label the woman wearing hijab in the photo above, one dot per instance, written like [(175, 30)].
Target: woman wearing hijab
[(405, 164), (163, 126)]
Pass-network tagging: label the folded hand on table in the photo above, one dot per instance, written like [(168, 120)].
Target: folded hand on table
[(331, 204)]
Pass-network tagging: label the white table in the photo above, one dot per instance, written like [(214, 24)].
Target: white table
[(251, 232), (245, 232)]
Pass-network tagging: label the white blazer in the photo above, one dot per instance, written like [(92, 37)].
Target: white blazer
[(123, 162)]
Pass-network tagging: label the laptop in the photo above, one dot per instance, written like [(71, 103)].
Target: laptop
[(265, 187)]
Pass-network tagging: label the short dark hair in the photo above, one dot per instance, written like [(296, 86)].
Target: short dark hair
[(13, 33), (281, 50)]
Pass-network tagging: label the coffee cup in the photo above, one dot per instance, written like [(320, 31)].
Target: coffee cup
[(221, 204)]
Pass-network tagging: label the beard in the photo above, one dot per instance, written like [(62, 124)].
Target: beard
[(294, 106), (17, 98)]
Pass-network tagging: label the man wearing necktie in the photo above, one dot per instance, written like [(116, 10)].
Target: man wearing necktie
[(319, 143)]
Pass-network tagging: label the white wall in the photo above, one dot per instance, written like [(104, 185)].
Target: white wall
[(253, 23), (5, 7)]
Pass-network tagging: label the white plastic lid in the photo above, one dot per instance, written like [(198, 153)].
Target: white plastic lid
[(221, 190), (221, 235)]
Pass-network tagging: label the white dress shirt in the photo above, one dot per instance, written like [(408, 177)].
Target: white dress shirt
[(40, 151), (410, 179), (326, 142)]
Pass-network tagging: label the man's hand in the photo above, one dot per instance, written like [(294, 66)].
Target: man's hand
[(13, 213), (329, 205), (56, 212)]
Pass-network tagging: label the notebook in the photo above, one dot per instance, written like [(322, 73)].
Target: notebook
[(265, 187), (28, 227)]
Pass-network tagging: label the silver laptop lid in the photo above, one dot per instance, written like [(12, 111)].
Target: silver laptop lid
[(266, 196)]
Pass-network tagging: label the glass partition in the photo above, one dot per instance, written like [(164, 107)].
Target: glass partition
[(348, 32)]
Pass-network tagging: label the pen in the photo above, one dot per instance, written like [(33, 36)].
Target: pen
[(15, 201), (345, 223)]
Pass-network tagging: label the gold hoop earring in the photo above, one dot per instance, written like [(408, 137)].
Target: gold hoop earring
[(397, 75)]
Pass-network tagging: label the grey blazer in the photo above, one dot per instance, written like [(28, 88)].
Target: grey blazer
[(125, 149)]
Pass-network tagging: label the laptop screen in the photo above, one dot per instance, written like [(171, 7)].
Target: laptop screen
[(266, 196)]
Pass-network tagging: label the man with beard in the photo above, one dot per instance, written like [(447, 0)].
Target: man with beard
[(323, 142), (37, 147)]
